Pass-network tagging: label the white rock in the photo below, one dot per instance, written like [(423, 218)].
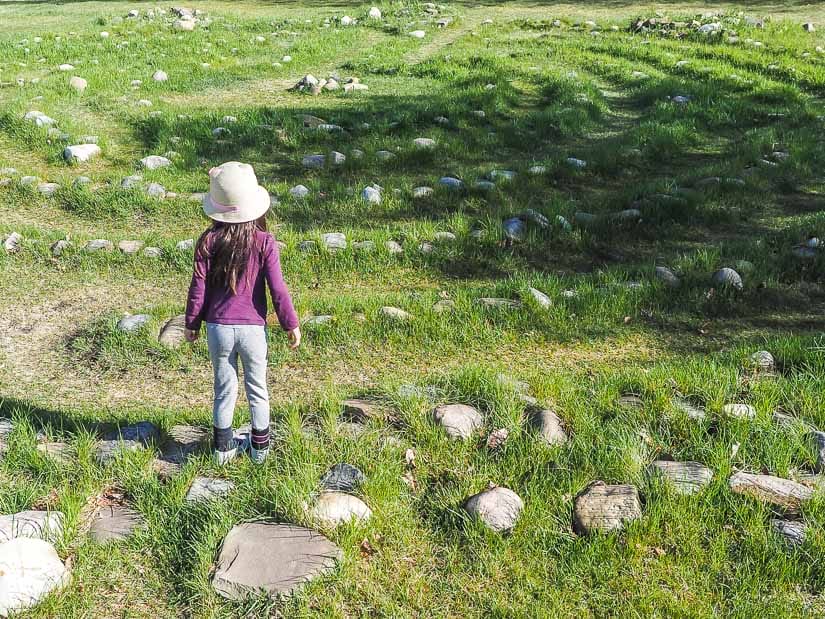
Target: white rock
[(384, 155), (374, 13), (458, 420), (154, 162), (144, 103), (334, 508), (299, 191), (33, 524), (29, 570), (740, 411), (78, 83), (424, 143), (539, 297), (81, 152), (418, 34), (499, 508), (185, 25), (395, 313), (160, 76), (422, 192), (66, 67), (346, 20), (337, 159), (371, 195), (11, 243), (334, 241), (577, 163), (39, 118)]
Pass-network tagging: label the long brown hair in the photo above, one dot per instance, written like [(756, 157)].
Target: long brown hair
[(228, 250)]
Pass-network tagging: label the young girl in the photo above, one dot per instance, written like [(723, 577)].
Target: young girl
[(235, 260)]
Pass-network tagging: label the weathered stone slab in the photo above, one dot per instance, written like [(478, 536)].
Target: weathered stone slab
[(777, 491), (697, 413), (172, 332), (335, 508), (458, 420), (302, 554), (793, 531), (31, 523), (29, 570), (106, 451), (499, 508), (59, 452), (115, 522), (184, 442), (143, 432), (361, 411), (606, 508), (208, 489), (687, 477)]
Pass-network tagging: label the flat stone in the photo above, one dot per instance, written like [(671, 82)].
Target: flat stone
[(395, 313), (424, 143), (451, 182), (740, 411), (302, 555), (362, 411), (208, 489), (107, 451), (364, 245), (39, 118), (99, 245), (394, 247), (316, 321), (540, 298), (697, 413), (459, 421), (792, 531), (727, 278), (11, 244), (143, 432), (58, 247), (114, 523), (334, 508), (666, 276), (498, 303), (334, 241), (130, 247), (80, 153), (686, 477), (59, 452), (154, 162), (313, 162), (172, 333), (184, 442), (498, 508), (185, 245), (548, 426), (777, 491), (343, 477), (444, 237), (631, 400), (606, 508), (33, 524), (133, 323), (30, 569)]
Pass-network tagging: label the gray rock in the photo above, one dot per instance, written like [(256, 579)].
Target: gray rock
[(364, 245), (395, 314), (58, 247), (47, 189), (31, 570), (130, 247), (422, 192), (335, 508), (540, 298), (535, 218), (81, 181), (11, 244), (727, 278), (686, 477), (299, 191), (154, 162), (337, 159), (362, 411), (172, 333), (499, 303), (316, 321), (334, 241), (131, 181), (80, 153), (371, 195), (424, 143), (208, 489), (152, 252), (763, 360), (606, 508), (384, 155), (791, 530), (668, 277), (184, 442), (444, 306), (185, 245), (156, 190), (59, 452), (499, 508), (697, 413), (303, 554), (107, 451), (313, 162), (342, 477), (143, 432), (444, 237), (307, 246), (99, 245), (740, 411), (114, 523), (394, 247), (548, 426), (33, 524), (131, 324), (458, 420), (451, 182), (39, 118)]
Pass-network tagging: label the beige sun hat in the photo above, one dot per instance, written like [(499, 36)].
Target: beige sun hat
[(234, 194)]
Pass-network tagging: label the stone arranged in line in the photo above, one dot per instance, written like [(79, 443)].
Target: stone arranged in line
[(499, 508), (395, 314), (605, 508), (334, 508), (343, 477), (460, 421), (30, 569), (303, 554), (686, 477), (208, 489), (172, 334), (36, 524), (114, 523), (548, 426), (784, 493)]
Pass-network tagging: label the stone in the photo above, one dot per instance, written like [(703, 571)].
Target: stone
[(371, 195), (208, 489), (47, 189), (143, 432), (537, 170), (59, 452), (605, 508), (666, 276), (39, 118), (154, 162), (160, 76), (424, 143), (184, 442), (395, 314), (498, 508), (364, 246), (417, 34), (484, 185), (114, 523), (343, 478), (763, 361), (374, 13), (686, 477), (346, 20), (307, 246), (541, 299), (299, 191), (334, 508), (58, 247), (361, 411), (27, 181), (498, 303), (185, 25), (78, 83), (302, 555), (337, 159), (444, 237), (459, 421), (221, 132), (422, 192), (727, 278), (808, 27), (394, 247), (514, 229), (313, 162), (740, 411), (384, 155), (144, 103), (697, 413), (30, 569), (579, 164), (130, 247), (783, 493), (792, 531), (107, 451), (444, 306), (11, 244), (156, 190), (548, 426), (96, 245), (152, 252), (131, 324), (334, 241), (451, 182), (81, 181), (185, 245), (131, 181), (172, 333), (33, 524), (65, 67)]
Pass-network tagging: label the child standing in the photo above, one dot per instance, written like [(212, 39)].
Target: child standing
[(235, 261)]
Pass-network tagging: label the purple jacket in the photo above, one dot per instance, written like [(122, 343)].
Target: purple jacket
[(248, 306)]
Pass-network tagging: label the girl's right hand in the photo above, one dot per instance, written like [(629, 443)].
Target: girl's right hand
[(293, 336)]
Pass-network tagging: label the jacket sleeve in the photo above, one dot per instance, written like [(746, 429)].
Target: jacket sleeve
[(281, 299), (196, 299)]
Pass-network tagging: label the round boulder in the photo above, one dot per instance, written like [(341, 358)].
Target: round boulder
[(499, 508), (334, 508), (458, 420)]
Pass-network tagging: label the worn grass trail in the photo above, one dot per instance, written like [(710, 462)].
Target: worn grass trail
[(710, 144)]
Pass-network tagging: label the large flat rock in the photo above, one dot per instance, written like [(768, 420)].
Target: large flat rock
[(184, 442), (29, 570), (115, 522), (777, 491), (686, 477), (31, 523), (208, 489), (272, 558), (606, 508)]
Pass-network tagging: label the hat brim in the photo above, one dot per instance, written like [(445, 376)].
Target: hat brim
[(251, 210)]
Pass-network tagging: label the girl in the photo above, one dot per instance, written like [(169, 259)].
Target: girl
[(235, 260)]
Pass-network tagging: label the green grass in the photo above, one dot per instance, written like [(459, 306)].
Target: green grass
[(612, 328)]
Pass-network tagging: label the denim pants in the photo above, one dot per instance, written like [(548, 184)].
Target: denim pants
[(226, 344)]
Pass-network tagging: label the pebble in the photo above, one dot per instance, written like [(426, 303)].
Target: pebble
[(459, 421), (154, 162), (335, 508), (81, 153), (498, 508)]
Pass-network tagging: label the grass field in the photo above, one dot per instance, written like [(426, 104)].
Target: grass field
[(713, 140)]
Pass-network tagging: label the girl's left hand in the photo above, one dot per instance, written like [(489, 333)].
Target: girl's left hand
[(190, 335)]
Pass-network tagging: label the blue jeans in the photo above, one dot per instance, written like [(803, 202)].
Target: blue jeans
[(226, 344)]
